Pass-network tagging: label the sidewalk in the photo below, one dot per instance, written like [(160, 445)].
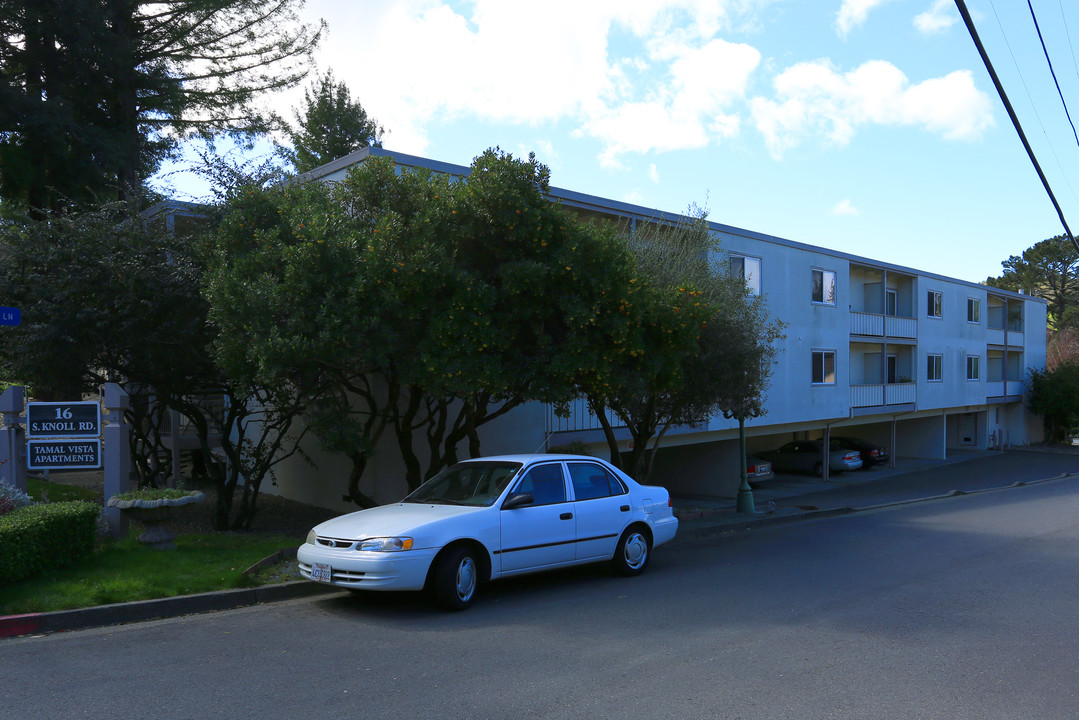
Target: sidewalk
[(786, 499)]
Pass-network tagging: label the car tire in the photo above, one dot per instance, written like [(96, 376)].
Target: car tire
[(633, 552), (818, 469), (455, 578)]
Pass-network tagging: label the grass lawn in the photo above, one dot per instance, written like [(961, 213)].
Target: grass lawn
[(125, 570), (57, 492)]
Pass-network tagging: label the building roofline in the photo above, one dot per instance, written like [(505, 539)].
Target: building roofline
[(640, 212)]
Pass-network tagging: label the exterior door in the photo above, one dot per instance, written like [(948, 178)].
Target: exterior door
[(602, 508), (543, 533)]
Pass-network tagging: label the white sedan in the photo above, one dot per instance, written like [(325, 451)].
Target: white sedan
[(493, 517)]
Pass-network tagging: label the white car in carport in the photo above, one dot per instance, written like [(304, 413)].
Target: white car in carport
[(493, 517)]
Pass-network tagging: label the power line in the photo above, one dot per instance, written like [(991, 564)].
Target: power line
[(962, 7), (1052, 71)]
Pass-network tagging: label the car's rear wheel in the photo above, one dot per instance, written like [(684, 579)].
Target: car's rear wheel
[(818, 469), (455, 579), (633, 552)]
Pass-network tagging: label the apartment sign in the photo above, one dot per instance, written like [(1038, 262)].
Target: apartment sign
[(63, 420), (63, 454)]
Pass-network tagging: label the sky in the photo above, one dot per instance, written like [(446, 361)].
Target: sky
[(866, 126)]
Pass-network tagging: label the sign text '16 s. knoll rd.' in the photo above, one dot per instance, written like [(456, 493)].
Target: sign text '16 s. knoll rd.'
[(63, 420)]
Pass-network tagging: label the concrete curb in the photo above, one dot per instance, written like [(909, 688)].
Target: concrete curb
[(121, 613)]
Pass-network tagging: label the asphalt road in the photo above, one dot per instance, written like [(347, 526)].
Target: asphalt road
[(959, 608), (875, 486)]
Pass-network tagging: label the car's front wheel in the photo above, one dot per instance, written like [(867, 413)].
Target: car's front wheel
[(633, 551), (455, 578)]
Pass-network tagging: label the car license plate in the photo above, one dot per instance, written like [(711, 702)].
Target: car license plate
[(321, 572)]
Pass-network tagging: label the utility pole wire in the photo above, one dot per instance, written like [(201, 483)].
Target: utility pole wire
[(962, 7), (1052, 72)]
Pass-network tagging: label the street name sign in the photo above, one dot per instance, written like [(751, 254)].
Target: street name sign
[(63, 419), (63, 454), (10, 316)]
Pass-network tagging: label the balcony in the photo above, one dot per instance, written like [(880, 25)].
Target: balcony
[(883, 395), (874, 325), (1001, 389)]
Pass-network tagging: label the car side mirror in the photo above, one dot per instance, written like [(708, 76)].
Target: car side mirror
[(518, 500)]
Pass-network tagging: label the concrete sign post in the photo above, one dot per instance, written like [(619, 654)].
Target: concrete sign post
[(11, 442), (117, 455)]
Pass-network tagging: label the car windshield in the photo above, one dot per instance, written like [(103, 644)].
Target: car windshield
[(473, 483)]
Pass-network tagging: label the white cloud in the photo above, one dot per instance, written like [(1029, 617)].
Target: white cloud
[(653, 173), (853, 13), (418, 64), (938, 18), (689, 110), (843, 207), (812, 98)]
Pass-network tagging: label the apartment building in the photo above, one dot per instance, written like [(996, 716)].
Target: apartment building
[(918, 362)]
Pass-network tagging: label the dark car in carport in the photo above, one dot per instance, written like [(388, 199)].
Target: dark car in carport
[(871, 454), (806, 456)]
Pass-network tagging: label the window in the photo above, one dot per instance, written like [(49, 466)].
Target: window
[(593, 481), (973, 367), (824, 367), (973, 307), (545, 483), (749, 269), (933, 368), (823, 286), (935, 304)]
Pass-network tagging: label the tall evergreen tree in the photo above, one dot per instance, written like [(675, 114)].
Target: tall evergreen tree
[(330, 126), (1050, 269), (95, 93)]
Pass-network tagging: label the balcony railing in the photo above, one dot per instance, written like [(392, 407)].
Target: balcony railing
[(580, 418), (875, 325), (880, 395), (999, 388)]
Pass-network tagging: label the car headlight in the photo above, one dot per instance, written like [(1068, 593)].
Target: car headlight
[(311, 538), (386, 544)]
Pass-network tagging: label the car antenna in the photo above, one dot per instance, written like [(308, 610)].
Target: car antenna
[(542, 445)]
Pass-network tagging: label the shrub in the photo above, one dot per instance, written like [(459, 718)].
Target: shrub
[(38, 537), (12, 498)]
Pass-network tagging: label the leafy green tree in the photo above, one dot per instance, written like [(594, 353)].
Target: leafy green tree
[(330, 125), (98, 93), (99, 293), (1048, 268), (109, 297), (409, 302), (1054, 394), (698, 343)]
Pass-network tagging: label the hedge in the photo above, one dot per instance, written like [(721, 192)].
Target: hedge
[(39, 537)]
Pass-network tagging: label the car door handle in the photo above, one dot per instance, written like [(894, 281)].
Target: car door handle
[(624, 508), (565, 516)]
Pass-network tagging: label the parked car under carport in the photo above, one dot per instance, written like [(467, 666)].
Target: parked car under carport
[(871, 454), (805, 456)]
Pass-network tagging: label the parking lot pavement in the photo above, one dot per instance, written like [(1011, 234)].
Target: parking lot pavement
[(787, 498)]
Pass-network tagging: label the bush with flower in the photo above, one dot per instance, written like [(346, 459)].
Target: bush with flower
[(12, 498)]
